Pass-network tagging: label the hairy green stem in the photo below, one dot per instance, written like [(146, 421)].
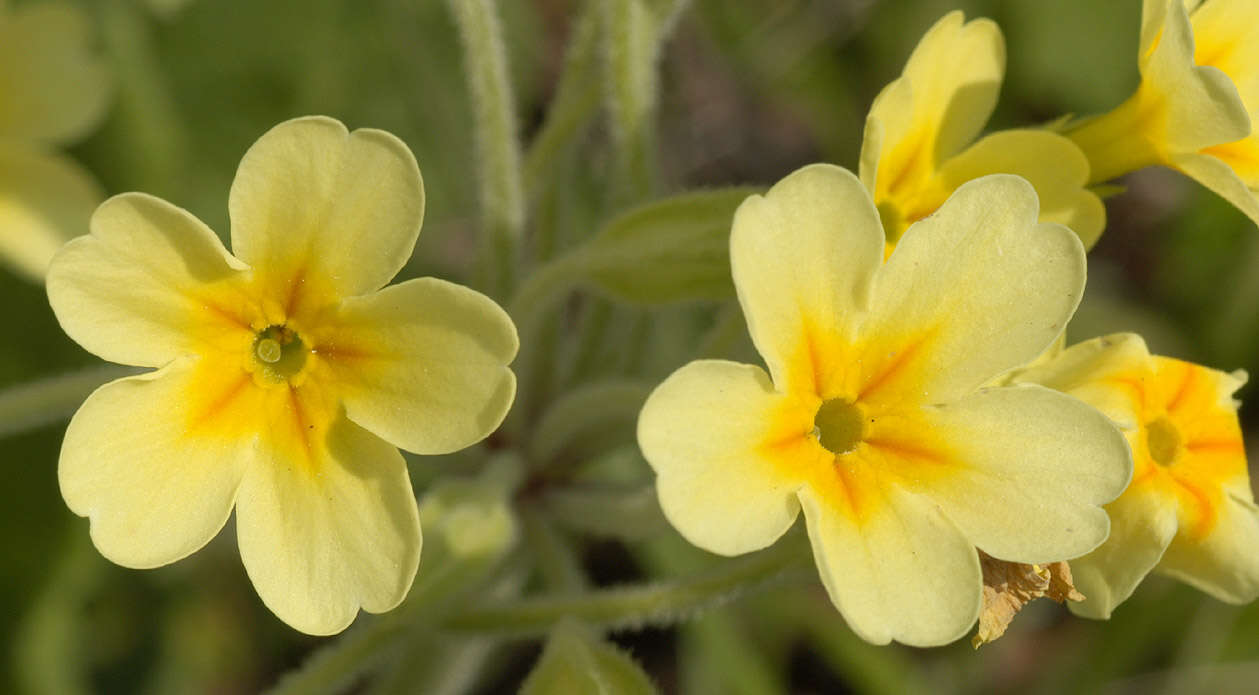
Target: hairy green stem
[(633, 607), (27, 406), (631, 37), (498, 147), (576, 100)]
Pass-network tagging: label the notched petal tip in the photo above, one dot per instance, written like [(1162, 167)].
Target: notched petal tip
[(325, 209)]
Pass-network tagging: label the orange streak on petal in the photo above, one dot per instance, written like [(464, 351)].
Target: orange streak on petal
[(908, 451), (1204, 502), (209, 411), (1188, 381), (1217, 446), (899, 361)]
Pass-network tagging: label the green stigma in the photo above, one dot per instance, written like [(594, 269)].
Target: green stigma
[(1163, 440), (280, 353), (839, 425)]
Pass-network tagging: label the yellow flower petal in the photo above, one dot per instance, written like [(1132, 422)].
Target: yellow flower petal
[(148, 285), (153, 494), (940, 103), (422, 364), (802, 258), (1043, 504), (705, 432), (327, 213), (1055, 167), (971, 315), (902, 572), (1105, 372), (1142, 523), (45, 200), (1224, 563), (1203, 107), (1222, 179), (1226, 36), (321, 537), (1179, 108), (55, 88)]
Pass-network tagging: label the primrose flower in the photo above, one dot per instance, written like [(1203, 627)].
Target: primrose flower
[(920, 145), (56, 91), (872, 418), (285, 375), (1189, 512), (1193, 109)]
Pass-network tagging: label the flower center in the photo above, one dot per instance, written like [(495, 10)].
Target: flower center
[(279, 353), (839, 425), (1163, 440)]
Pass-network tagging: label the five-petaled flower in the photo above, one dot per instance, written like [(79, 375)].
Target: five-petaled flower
[(1189, 511), (285, 375), (55, 90), (873, 419), (1194, 107), (920, 135)]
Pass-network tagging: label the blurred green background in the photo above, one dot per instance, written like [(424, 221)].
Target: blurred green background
[(750, 91)]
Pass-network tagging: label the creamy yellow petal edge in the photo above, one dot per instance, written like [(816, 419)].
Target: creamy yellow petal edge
[(939, 104), (1086, 371), (325, 212), (1224, 563), (153, 493), (975, 314), (1033, 469), (1142, 523), (1055, 167), (1203, 106), (902, 573), (149, 284), (1221, 179), (704, 431), (317, 547), (55, 89), (422, 364), (46, 199), (802, 258)]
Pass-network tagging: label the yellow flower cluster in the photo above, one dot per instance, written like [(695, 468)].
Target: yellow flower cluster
[(912, 405)]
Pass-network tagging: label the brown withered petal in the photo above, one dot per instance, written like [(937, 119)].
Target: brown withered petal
[(1008, 586)]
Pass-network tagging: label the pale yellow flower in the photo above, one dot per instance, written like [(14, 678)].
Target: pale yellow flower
[(55, 90), (920, 137), (872, 418), (1189, 511), (1194, 107), (285, 375)]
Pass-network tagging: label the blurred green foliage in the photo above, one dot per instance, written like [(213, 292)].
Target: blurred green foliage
[(749, 91)]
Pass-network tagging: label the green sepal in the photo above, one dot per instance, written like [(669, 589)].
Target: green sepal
[(577, 661)]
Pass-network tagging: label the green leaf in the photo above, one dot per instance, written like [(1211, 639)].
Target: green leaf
[(629, 513), (669, 250), (575, 661), (592, 408)]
